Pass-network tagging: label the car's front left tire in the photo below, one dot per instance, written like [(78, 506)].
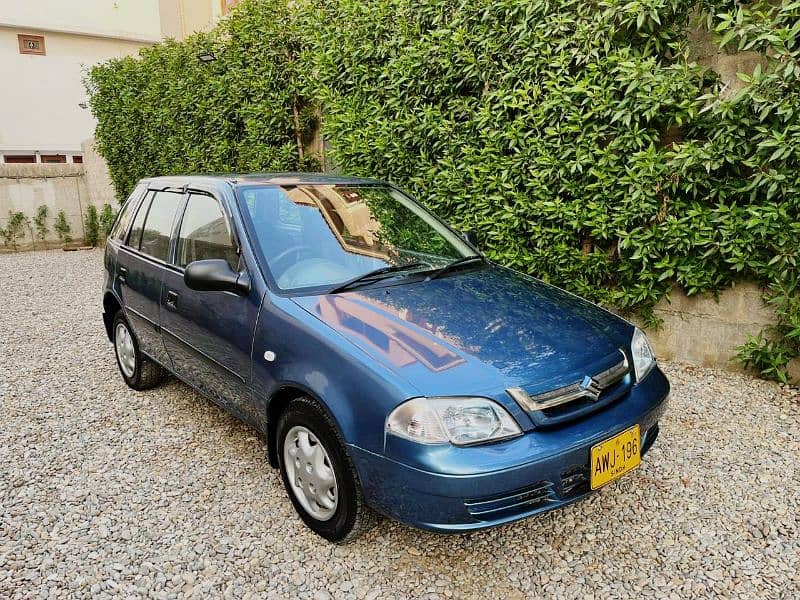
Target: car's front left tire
[(138, 371), (319, 476)]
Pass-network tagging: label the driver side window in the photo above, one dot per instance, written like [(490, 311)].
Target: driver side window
[(205, 233)]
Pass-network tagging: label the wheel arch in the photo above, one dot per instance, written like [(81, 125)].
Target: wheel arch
[(277, 403), (110, 307)]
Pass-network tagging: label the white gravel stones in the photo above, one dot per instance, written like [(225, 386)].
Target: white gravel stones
[(107, 492)]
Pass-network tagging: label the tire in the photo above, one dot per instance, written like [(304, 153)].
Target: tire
[(138, 371), (349, 517)]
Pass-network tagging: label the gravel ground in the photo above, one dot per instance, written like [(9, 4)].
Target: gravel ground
[(107, 491)]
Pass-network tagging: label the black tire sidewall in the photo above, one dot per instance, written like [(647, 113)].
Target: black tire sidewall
[(308, 415), (133, 381)]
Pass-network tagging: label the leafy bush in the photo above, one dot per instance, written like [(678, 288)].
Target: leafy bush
[(756, 137), (40, 221), (62, 227), (91, 224), (580, 141), (577, 139), (107, 217), (14, 229)]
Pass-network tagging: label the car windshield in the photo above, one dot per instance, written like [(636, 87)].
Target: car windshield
[(323, 236)]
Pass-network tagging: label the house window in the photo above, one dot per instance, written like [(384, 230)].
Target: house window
[(19, 158), (227, 5), (31, 44), (54, 158), (77, 159)]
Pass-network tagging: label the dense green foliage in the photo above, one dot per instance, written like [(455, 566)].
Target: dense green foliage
[(755, 141), (577, 139)]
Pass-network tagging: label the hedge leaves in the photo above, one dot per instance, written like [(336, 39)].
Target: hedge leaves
[(578, 139)]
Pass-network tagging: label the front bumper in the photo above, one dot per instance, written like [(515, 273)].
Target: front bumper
[(463, 489)]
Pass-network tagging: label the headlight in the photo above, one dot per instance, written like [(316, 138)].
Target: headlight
[(642, 353), (461, 421)]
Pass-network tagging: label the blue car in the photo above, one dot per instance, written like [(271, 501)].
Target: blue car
[(393, 369)]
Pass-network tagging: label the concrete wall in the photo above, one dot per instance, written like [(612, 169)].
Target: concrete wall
[(198, 15), (98, 181), (170, 13), (705, 331), (59, 187), (67, 187), (706, 52), (180, 18)]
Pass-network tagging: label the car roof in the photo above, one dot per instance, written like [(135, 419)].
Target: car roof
[(236, 179)]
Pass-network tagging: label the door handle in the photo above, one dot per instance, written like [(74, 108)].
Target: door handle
[(122, 274), (172, 300)]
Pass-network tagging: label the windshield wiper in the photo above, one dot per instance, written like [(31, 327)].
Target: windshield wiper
[(376, 274), (453, 265)]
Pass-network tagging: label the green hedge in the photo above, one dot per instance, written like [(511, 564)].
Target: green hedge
[(577, 139)]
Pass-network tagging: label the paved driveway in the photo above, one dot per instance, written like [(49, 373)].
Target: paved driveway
[(104, 490)]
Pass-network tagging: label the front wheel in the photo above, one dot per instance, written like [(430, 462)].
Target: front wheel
[(319, 477), (138, 371)]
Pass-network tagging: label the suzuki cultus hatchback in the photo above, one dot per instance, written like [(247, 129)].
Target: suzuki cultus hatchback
[(392, 367)]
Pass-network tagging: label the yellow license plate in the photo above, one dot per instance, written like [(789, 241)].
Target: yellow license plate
[(615, 457)]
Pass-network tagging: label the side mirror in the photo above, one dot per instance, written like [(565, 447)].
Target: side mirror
[(470, 237), (215, 275)]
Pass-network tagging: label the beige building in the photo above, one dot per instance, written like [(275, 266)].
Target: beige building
[(180, 18), (45, 47)]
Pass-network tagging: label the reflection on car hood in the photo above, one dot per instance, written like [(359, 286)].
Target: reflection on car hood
[(474, 331)]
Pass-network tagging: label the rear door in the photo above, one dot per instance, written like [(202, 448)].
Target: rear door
[(141, 263), (209, 335)]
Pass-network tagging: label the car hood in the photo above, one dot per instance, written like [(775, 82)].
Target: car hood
[(476, 332)]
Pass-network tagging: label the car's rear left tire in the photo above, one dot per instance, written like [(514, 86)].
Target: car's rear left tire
[(138, 371), (319, 476)]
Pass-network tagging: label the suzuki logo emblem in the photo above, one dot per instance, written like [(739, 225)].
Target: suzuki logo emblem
[(591, 388)]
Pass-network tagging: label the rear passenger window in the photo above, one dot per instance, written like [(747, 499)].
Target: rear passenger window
[(158, 224), (204, 233), (126, 214), (138, 223)]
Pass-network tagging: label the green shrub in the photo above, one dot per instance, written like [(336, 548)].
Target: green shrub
[(62, 227), (14, 229), (91, 225), (579, 140), (107, 217), (40, 221)]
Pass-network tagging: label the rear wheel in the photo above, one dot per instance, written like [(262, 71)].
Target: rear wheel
[(138, 371), (318, 474)]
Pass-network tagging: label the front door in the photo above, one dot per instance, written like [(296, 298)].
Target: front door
[(209, 335), (140, 268)]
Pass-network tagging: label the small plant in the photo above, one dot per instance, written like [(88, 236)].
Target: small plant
[(62, 227), (92, 225), (768, 357), (15, 229), (107, 217), (40, 221)]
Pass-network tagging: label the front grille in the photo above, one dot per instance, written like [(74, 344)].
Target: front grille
[(571, 401)]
